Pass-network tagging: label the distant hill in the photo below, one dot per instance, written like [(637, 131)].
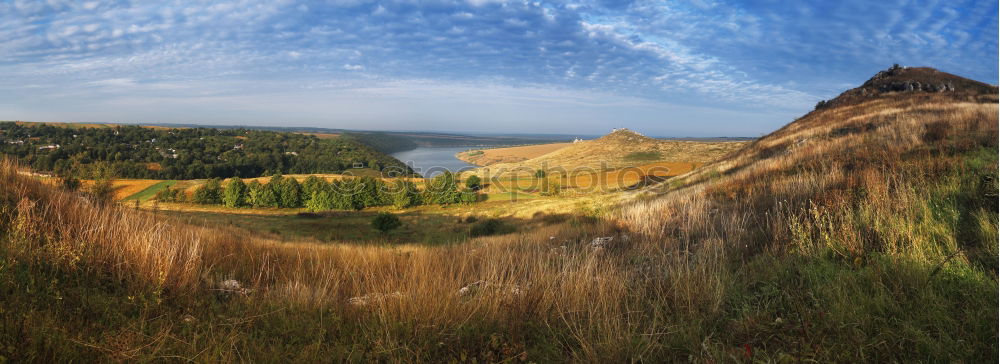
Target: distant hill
[(182, 153), (397, 141), (621, 148)]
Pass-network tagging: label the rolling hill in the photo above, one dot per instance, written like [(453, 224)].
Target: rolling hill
[(865, 230), (621, 148)]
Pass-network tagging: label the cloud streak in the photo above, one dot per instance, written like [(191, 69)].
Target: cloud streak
[(718, 58)]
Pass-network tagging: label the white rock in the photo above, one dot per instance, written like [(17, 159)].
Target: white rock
[(601, 242)]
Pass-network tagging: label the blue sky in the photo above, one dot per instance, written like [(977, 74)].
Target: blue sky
[(670, 68)]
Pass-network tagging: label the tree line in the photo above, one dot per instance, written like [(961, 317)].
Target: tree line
[(185, 153), (318, 194)]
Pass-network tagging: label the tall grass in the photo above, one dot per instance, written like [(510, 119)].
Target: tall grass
[(858, 232)]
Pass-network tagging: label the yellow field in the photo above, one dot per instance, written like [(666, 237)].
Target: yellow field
[(508, 155)]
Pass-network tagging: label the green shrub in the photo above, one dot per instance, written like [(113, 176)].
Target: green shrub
[(102, 191), (209, 193), (643, 156), (474, 183), (70, 183), (490, 227), (385, 221)]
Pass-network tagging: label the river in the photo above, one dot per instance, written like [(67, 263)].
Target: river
[(432, 161)]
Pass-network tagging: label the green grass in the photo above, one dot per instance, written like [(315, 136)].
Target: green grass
[(151, 191), (643, 156), (797, 308), (343, 226)]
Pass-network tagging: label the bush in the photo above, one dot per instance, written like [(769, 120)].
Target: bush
[(474, 183), (550, 188), (490, 227), (170, 195), (469, 197), (70, 183), (103, 191), (209, 193), (385, 221)]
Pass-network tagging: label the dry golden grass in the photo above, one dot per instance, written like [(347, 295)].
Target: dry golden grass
[(485, 157), (618, 150), (842, 191)]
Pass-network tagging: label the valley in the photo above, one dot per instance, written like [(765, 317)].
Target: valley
[(409, 187)]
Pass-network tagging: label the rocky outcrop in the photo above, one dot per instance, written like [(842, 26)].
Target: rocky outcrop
[(899, 79)]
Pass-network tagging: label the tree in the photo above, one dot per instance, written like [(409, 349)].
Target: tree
[(403, 194), (385, 221), (442, 189), (103, 191), (346, 194), (474, 183), (266, 197), (320, 201), (253, 191), (371, 192), (209, 193), (311, 185), (289, 193), (235, 194), (540, 173)]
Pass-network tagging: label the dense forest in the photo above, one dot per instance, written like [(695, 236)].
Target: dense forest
[(185, 153), (384, 142)]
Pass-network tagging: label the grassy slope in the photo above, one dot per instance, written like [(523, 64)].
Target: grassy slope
[(620, 149), (886, 252)]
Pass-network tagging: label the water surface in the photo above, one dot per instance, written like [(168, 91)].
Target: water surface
[(430, 162)]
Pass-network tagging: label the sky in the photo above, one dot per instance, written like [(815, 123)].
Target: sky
[(666, 68)]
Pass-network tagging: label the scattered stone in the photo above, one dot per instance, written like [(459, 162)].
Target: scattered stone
[(472, 288), (601, 242), (232, 286), (479, 286)]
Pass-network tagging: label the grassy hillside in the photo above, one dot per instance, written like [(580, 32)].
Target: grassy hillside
[(620, 149), (863, 231), (485, 157)]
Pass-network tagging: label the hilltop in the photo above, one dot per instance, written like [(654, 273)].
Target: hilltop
[(909, 80), (866, 230)]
